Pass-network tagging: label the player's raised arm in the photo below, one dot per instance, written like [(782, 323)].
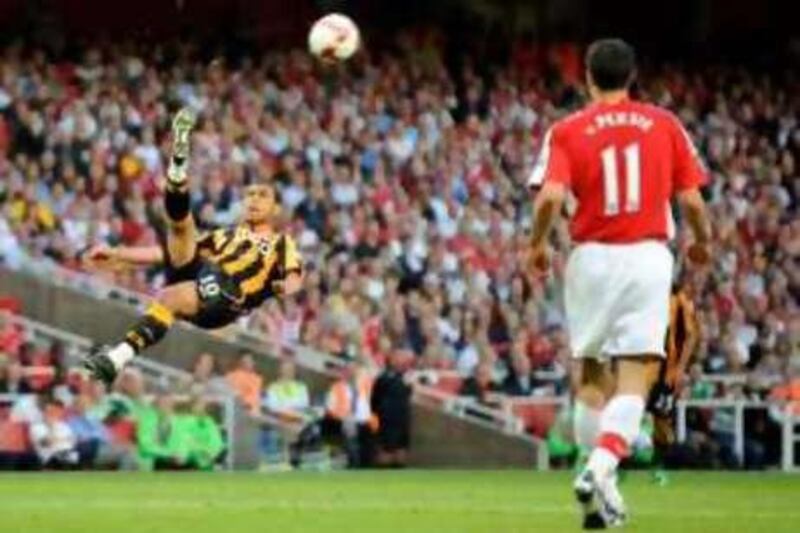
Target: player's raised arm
[(103, 255)]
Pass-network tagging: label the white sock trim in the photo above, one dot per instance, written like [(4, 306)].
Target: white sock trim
[(623, 416), (121, 354)]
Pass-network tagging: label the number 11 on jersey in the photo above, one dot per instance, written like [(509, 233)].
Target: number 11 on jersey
[(633, 179)]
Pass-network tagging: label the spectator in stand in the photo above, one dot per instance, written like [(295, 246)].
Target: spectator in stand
[(521, 380), (94, 440), (281, 321), (391, 402), (348, 414), (12, 380), (129, 391), (43, 366), (15, 451), (120, 409), (201, 435), (480, 385), (204, 379), (789, 390), (53, 439), (246, 382), (160, 446), (90, 434), (11, 336), (287, 397)]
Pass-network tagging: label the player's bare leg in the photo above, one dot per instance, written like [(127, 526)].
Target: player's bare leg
[(593, 384), (176, 301), (179, 300), (620, 423)]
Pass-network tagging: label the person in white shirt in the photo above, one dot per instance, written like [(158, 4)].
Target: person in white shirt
[(53, 440)]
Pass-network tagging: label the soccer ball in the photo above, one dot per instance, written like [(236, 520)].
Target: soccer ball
[(334, 37)]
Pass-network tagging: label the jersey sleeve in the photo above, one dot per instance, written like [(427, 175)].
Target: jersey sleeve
[(552, 165), (690, 172), (293, 261)]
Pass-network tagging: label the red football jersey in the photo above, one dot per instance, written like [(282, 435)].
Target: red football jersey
[(622, 162)]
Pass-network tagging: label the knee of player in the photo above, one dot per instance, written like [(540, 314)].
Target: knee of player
[(180, 299), (181, 227), (591, 395), (592, 372)]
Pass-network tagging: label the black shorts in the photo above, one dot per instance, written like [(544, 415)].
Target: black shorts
[(220, 298), (187, 272), (217, 291), (393, 436)]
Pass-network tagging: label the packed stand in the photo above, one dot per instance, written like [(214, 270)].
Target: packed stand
[(52, 417), (403, 182)]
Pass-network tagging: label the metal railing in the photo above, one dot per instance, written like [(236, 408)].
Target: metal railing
[(723, 379), (782, 413)]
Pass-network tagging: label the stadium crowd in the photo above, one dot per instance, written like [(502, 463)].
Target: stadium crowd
[(52, 417), (404, 184)]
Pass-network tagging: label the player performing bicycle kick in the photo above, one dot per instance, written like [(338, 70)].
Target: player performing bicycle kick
[(212, 278)]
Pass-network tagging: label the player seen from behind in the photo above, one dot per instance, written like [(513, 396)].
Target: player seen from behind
[(623, 161)]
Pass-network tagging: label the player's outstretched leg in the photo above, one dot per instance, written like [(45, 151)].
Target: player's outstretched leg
[(176, 301), (180, 299), (181, 232)]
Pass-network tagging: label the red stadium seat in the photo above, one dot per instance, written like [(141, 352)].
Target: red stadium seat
[(537, 419), (122, 431), (14, 437), (11, 304), (40, 377), (449, 382)]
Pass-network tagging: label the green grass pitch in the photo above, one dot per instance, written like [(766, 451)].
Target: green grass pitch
[(380, 502)]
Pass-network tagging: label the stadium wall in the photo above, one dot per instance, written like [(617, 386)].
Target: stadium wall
[(438, 439)]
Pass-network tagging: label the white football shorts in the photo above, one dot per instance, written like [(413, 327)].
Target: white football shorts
[(617, 298)]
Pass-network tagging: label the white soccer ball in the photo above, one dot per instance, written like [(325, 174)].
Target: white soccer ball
[(334, 37)]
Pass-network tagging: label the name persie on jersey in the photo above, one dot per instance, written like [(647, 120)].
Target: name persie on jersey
[(614, 119), (623, 162)]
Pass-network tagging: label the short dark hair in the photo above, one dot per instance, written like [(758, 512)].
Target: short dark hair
[(611, 63)]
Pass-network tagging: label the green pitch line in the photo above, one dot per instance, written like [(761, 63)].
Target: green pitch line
[(413, 501)]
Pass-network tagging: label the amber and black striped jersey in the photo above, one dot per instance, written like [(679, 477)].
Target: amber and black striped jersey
[(253, 261)]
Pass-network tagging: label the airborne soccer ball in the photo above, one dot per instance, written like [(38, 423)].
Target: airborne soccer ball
[(334, 37)]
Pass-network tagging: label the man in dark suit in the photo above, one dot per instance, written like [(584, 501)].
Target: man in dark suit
[(391, 402)]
